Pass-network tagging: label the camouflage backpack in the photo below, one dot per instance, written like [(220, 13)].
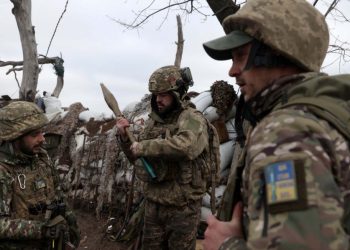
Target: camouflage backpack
[(327, 97)]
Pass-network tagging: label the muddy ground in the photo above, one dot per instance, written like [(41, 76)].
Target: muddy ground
[(92, 234)]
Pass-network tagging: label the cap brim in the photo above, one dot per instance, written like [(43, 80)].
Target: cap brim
[(220, 48)]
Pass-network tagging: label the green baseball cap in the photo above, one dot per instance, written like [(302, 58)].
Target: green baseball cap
[(220, 48)]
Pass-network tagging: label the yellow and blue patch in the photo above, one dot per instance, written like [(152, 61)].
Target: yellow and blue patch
[(285, 186), (281, 183)]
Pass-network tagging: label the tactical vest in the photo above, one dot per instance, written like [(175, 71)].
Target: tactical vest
[(32, 187), (180, 180), (327, 97)]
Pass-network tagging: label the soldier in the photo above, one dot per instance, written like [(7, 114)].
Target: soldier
[(294, 181), (32, 212), (175, 142)]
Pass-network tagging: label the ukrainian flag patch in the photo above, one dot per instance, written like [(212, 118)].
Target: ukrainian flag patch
[(281, 183)]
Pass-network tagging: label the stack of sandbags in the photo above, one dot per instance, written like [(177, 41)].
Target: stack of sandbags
[(218, 105)]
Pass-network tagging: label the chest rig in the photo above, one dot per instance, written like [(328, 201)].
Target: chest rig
[(32, 187)]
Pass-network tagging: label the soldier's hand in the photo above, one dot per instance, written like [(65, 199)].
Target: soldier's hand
[(121, 125), (218, 231), (136, 148), (54, 227)]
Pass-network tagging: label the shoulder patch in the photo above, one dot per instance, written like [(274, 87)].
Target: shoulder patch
[(285, 186)]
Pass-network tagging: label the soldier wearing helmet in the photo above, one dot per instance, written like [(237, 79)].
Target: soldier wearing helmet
[(175, 142), (291, 185), (28, 183)]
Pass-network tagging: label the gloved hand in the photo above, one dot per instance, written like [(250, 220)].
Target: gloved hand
[(54, 227), (74, 232)]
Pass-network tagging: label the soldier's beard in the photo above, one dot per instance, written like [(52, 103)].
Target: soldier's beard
[(29, 149), (165, 111)]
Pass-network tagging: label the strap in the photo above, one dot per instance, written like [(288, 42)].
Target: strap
[(328, 109)]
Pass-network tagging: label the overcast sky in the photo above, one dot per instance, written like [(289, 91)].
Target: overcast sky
[(96, 49)]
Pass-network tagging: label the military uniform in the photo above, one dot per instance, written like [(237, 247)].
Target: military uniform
[(29, 184), (296, 170), (177, 148), (293, 172)]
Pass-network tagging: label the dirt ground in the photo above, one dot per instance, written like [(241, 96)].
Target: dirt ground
[(92, 234)]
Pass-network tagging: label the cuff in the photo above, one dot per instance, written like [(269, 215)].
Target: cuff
[(233, 243)]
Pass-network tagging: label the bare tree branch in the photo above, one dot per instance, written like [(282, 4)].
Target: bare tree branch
[(14, 69), (331, 7), (222, 9), (134, 24), (54, 32), (180, 42), (45, 60), (22, 13)]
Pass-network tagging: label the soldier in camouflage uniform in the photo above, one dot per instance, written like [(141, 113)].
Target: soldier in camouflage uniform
[(175, 143), (294, 167), (29, 192)]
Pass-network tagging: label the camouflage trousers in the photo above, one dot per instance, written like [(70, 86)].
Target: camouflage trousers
[(170, 227)]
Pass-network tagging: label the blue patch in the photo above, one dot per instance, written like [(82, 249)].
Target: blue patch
[(281, 183)]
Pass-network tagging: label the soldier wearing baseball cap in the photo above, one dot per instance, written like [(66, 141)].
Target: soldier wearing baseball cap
[(290, 188)]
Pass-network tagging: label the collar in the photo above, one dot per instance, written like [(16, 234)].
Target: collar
[(274, 94), (11, 157)]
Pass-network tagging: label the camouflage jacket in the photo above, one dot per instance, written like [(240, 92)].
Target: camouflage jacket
[(296, 178), (177, 148), (27, 185)]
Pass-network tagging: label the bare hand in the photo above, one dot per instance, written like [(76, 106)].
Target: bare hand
[(122, 124), (217, 231), (136, 149)]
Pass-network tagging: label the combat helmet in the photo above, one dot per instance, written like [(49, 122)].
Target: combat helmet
[(293, 28), (169, 78), (19, 118)]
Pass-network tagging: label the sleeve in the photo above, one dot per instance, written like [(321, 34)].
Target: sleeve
[(293, 199), (189, 141), (14, 228)]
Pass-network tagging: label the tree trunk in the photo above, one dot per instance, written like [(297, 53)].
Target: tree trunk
[(222, 8), (180, 42), (22, 12)]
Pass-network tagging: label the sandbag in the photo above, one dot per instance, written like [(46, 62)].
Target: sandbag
[(231, 130), (205, 212), (231, 113), (211, 113), (226, 154), (52, 104), (202, 101), (219, 191)]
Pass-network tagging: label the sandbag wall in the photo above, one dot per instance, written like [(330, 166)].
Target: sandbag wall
[(218, 105)]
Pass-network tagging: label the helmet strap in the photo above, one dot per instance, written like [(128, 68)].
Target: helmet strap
[(262, 56)]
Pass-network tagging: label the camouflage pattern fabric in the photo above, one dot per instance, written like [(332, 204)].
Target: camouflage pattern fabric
[(292, 27), (18, 118), (27, 185), (170, 227), (177, 148), (224, 96), (164, 79), (311, 214)]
